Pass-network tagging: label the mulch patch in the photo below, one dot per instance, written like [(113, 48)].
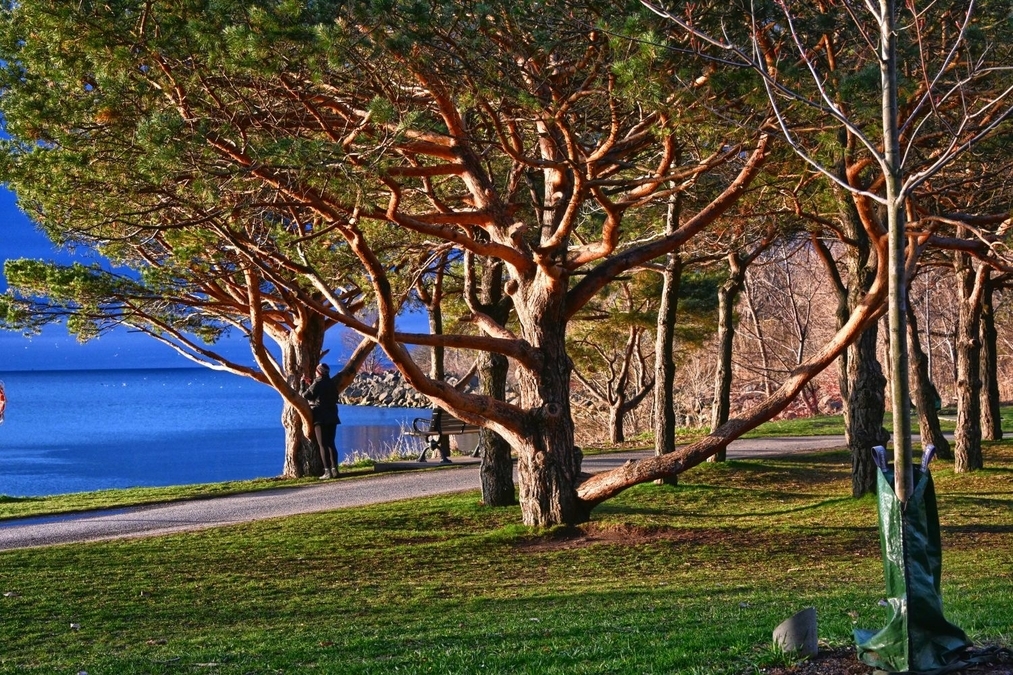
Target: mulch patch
[(843, 661)]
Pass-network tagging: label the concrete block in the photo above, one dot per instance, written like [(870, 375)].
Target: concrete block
[(798, 634)]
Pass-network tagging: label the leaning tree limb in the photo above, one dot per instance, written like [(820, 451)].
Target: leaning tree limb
[(603, 486)]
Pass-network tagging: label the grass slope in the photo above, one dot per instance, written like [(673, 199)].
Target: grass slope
[(690, 579)]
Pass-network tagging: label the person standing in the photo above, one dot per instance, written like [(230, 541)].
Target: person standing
[(322, 395)]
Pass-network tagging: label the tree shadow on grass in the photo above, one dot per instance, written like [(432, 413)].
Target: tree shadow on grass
[(635, 510)]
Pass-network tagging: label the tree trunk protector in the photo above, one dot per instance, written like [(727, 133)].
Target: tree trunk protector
[(917, 638)]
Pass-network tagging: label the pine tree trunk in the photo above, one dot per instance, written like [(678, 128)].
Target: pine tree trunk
[(548, 464), (924, 392), (863, 384), (616, 415), (497, 469), (967, 437), (300, 350), (866, 407), (722, 375), (727, 294), (991, 419), (664, 362)]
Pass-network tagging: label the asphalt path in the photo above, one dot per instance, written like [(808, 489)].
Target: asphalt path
[(387, 486)]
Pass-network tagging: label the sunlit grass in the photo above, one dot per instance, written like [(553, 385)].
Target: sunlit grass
[(665, 580)]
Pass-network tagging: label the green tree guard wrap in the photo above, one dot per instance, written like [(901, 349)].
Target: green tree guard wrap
[(917, 638)]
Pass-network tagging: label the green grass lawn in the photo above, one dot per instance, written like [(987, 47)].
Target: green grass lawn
[(690, 579)]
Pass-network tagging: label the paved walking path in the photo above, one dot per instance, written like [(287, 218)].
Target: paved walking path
[(157, 519)]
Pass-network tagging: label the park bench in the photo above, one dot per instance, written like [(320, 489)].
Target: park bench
[(439, 424)]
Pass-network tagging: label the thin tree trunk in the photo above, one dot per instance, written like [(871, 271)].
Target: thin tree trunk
[(991, 419), (727, 295), (665, 421), (761, 343), (924, 392), (900, 396)]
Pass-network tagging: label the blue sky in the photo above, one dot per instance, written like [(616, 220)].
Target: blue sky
[(56, 350)]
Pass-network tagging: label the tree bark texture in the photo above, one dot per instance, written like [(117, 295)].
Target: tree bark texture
[(300, 351), (728, 293), (967, 436), (497, 469), (617, 434), (664, 361), (866, 408), (924, 393), (548, 464), (991, 419)]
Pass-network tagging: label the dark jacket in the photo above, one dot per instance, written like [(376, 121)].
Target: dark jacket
[(322, 396)]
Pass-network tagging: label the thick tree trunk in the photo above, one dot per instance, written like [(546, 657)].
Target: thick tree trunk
[(924, 392), (865, 407), (301, 456), (548, 464), (497, 470), (664, 361), (300, 352), (865, 410), (617, 412), (967, 437), (991, 419)]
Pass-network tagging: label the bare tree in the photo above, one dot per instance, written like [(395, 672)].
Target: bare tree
[(609, 354), (739, 260)]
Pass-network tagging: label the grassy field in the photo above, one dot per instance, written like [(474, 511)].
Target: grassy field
[(690, 579)]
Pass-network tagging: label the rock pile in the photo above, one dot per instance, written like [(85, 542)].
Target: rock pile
[(382, 390)]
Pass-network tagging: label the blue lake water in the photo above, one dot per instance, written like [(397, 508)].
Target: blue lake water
[(81, 430)]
